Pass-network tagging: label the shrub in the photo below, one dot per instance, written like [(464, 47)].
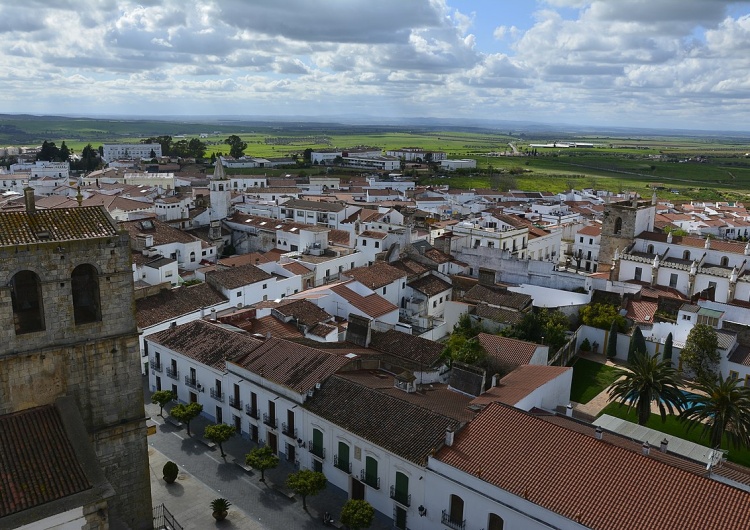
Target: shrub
[(586, 345), (170, 471)]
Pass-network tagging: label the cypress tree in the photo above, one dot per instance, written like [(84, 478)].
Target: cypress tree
[(612, 340), (668, 348), (637, 344)]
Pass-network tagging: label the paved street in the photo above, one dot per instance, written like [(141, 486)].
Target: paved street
[(204, 475)]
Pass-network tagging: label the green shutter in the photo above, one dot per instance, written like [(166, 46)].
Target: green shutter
[(371, 470), (317, 441), (343, 455), (402, 486)]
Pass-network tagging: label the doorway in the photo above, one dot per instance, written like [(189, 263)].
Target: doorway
[(358, 490)]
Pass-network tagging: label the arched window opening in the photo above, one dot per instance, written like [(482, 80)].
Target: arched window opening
[(85, 286), (26, 296), (686, 254), (495, 522), (192, 257), (724, 261), (618, 225), (456, 514), (650, 249)]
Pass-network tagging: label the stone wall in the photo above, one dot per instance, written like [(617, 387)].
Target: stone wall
[(97, 363)]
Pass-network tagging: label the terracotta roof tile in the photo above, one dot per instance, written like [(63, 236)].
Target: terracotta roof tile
[(339, 237), (37, 460), (642, 311), (236, 277), (372, 305), (519, 383), (498, 297), (499, 314), (172, 303), (376, 275), (206, 343), (418, 429), (65, 224), (591, 230), (407, 346), (509, 352), (558, 469), (411, 267), (303, 311), (293, 365), (430, 285), (162, 233)]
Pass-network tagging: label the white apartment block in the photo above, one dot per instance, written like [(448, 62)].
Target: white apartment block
[(130, 151)]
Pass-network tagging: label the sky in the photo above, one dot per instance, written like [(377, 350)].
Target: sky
[(638, 63)]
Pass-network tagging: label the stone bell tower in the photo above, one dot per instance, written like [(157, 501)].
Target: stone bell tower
[(68, 330)]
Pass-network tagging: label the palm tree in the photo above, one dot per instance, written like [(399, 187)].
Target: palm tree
[(725, 407), (648, 380)]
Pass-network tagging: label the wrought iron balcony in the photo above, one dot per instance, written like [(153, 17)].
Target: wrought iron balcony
[(371, 480), (450, 522), (218, 396), (252, 412), (173, 373), (317, 450), (235, 402), (344, 466), (271, 422), (155, 365), (192, 383), (400, 496), (288, 431)]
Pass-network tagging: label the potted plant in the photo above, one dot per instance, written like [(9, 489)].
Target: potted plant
[(170, 471), (220, 508)]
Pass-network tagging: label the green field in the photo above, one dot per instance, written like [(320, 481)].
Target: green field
[(616, 163)]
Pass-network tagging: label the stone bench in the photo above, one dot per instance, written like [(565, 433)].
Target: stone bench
[(283, 490), (172, 421), (205, 442), (243, 465)]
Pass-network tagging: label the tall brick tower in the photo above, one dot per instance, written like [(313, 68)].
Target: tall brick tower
[(67, 328), (622, 221)]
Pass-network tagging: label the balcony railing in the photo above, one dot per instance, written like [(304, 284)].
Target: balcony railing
[(235, 402), (288, 431), (155, 365), (252, 412), (344, 466), (400, 496), (192, 383), (218, 396), (173, 373), (271, 422), (317, 450), (371, 480), (450, 522)]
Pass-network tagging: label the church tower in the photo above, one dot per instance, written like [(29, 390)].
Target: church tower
[(68, 331), (220, 194), (622, 222)]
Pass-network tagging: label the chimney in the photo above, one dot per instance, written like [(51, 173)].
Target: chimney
[(173, 325), (598, 433), (495, 379), (663, 445), (645, 448), (569, 410), (449, 437), (213, 314), (28, 196)]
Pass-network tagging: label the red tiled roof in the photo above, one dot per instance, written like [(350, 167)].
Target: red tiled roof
[(591, 230), (172, 303), (411, 347), (290, 364), (520, 383), (205, 342), (696, 242), (601, 485), (372, 305), (509, 352), (236, 277), (430, 285), (642, 311), (376, 275), (37, 461), (296, 268), (65, 224)]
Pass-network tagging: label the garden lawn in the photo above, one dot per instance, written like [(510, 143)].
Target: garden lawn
[(677, 428), (589, 379)]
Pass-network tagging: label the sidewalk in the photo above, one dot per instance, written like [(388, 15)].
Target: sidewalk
[(187, 499), (204, 476)]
